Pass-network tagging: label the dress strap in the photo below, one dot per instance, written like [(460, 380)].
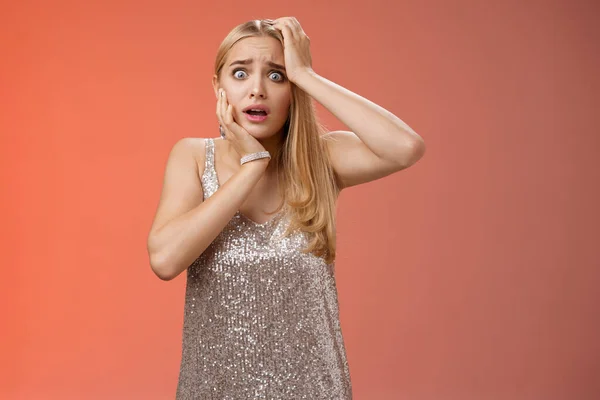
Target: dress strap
[(210, 182), (209, 163)]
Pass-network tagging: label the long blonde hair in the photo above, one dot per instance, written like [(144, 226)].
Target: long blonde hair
[(306, 178)]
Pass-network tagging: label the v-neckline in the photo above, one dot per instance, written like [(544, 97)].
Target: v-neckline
[(260, 225)]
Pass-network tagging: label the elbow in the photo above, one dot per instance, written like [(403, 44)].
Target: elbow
[(416, 152), (159, 260), (162, 267), (163, 275), (419, 149)]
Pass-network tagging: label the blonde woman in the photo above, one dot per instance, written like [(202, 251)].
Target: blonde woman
[(251, 217)]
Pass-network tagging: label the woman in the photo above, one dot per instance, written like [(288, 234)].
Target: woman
[(251, 217)]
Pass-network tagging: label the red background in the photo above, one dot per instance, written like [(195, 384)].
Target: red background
[(474, 274)]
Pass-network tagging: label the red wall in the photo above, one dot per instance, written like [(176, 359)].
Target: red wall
[(472, 275)]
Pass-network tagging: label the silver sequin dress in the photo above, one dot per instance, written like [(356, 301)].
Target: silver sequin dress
[(261, 319)]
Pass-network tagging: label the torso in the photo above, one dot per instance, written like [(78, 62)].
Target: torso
[(261, 317)]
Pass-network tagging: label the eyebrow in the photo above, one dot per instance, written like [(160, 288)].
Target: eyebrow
[(249, 61)]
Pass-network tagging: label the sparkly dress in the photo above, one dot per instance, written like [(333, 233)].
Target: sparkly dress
[(261, 319)]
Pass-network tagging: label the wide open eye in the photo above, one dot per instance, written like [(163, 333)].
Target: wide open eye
[(279, 74), (237, 75)]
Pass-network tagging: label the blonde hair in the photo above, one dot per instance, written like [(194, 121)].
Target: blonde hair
[(306, 178)]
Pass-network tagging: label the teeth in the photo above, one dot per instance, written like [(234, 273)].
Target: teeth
[(256, 111)]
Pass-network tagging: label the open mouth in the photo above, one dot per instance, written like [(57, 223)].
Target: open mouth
[(256, 115), (256, 112)]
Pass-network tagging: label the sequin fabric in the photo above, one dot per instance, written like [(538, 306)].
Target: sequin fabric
[(261, 319)]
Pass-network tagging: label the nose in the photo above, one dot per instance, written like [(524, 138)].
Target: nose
[(258, 89)]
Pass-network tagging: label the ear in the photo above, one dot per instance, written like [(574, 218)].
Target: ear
[(216, 86)]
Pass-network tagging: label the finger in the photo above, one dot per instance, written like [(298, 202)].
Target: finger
[(233, 127), (286, 29), (220, 111), (294, 22), (224, 104), (294, 25), (222, 114), (288, 33), (293, 29), (228, 119), (298, 28)]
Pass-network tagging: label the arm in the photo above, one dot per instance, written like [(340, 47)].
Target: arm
[(185, 225), (380, 143)]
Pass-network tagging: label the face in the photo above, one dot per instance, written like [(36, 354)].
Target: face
[(260, 79)]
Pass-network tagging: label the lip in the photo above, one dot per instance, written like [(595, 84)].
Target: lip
[(255, 118)]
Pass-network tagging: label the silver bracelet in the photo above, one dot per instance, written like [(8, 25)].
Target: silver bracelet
[(254, 156)]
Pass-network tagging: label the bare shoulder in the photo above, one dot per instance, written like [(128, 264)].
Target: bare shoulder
[(194, 147), (182, 188)]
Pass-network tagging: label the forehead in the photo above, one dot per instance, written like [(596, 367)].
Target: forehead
[(260, 49)]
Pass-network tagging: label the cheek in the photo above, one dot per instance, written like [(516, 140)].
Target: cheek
[(233, 94), (236, 101), (283, 104)]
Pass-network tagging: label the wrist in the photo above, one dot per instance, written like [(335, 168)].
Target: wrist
[(254, 156), (260, 164), (302, 75)]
